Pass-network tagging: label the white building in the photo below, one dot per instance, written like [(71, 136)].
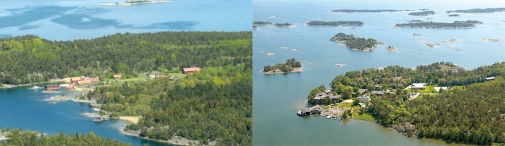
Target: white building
[(418, 86)]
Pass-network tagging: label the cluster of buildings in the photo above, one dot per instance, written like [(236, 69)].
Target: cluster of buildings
[(84, 81)]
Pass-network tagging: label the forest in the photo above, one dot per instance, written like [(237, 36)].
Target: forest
[(431, 24), (335, 23), (29, 59), (471, 111), (423, 13), (355, 43), (289, 66), (19, 137), (365, 11), (478, 10)]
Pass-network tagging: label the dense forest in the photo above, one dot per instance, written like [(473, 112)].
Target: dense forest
[(335, 23), (19, 137), (431, 24), (478, 10), (289, 66), (29, 59), (365, 11), (423, 13), (470, 111), (355, 43)]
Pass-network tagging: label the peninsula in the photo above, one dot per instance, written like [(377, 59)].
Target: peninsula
[(355, 43), (291, 65), (411, 100), (335, 23)]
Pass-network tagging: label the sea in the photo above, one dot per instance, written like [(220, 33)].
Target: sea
[(84, 19), (277, 98)]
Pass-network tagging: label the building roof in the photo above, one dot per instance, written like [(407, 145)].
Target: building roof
[(117, 76), (305, 110), (377, 92), (192, 69), (84, 82), (364, 96), (334, 96), (418, 85), (490, 78), (362, 91)]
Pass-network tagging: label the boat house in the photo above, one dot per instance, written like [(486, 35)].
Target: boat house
[(52, 87), (303, 112)]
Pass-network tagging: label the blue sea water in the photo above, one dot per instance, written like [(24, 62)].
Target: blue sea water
[(76, 19), (277, 98)]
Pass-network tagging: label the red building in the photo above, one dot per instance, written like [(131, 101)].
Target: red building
[(52, 87), (119, 76), (75, 80), (191, 70)]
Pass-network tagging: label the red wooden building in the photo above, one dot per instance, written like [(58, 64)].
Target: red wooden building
[(52, 87), (191, 70)]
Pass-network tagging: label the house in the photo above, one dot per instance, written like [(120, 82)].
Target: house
[(440, 88), (362, 105), (191, 70), (84, 83), (378, 93), (490, 78), (94, 80), (334, 97), (378, 87), (421, 86), (118, 76), (160, 76), (320, 98), (362, 91), (152, 76), (364, 98), (75, 80)]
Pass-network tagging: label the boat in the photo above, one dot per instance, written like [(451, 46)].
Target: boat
[(270, 54), (35, 87), (98, 119), (328, 117)]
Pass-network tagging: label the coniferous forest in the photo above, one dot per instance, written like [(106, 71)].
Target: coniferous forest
[(19, 137)]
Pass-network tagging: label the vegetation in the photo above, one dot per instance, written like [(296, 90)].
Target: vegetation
[(18, 137), (365, 11), (283, 24), (289, 66), (453, 15), (423, 13), (470, 112), (478, 10), (431, 24), (29, 59), (355, 43), (261, 23), (335, 23)]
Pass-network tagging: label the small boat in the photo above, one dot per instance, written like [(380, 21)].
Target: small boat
[(98, 119), (328, 117), (270, 54), (35, 87)]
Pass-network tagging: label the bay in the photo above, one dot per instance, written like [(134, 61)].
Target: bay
[(277, 98)]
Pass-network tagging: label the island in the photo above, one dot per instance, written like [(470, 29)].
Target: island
[(366, 11), (417, 34), (135, 2), (423, 13), (20, 137), (355, 43), (440, 101), (439, 25), (492, 39), (451, 41), (335, 23), (391, 48), (478, 10), (261, 23), (453, 15), (291, 65), (283, 25)]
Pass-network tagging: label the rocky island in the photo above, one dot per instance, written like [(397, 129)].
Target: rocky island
[(423, 13), (291, 65), (335, 23), (478, 10), (439, 25), (284, 25), (391, 48), (355, 43)]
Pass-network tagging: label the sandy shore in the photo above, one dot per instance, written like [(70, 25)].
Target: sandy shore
[(132, 119)]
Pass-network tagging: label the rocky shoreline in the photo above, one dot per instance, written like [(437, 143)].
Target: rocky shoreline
[(277, 71)]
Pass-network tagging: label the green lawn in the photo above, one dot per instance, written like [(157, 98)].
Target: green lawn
[(364, 116)]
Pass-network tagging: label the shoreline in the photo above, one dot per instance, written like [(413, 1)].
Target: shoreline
[(9, 86), (295, 70), (176, 140)]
